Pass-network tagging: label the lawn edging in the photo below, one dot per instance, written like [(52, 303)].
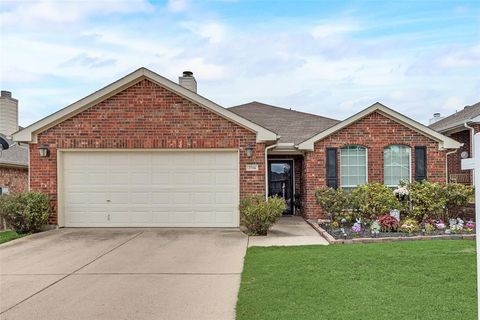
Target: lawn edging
[(332, 240)]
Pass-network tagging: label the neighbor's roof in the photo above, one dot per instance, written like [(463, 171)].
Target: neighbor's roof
[(467, 114), (292, 126), (30, 133), (444, 141), (15, 156)]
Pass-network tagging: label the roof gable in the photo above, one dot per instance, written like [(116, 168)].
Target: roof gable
[(29, 134), (444, 141)]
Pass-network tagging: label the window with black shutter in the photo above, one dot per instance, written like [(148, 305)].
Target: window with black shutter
[(420, 163), (331, 167)]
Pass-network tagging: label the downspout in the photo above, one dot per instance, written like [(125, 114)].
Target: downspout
[(472, 145), (446, 164), (266, 168)]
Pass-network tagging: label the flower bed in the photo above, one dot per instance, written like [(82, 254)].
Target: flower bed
[(374, 211), (387, 237)]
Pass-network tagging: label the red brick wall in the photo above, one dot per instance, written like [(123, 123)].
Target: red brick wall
[(375, 132), (144, 116), (16, 179), (454, 160)]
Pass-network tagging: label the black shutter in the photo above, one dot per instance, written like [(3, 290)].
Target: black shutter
[(420, 163), (332, 168)]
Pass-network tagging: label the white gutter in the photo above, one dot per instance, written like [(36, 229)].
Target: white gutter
[(472, 145), (266, 168), (446, 164)]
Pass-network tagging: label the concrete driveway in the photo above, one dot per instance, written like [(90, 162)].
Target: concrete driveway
[(122, 274)]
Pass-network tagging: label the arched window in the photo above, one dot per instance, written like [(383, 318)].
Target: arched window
[(353, 166), (396, 165)]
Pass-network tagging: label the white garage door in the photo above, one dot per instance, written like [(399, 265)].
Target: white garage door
[(150, 189)]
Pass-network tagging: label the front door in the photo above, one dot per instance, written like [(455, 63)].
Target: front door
[(280, 182)]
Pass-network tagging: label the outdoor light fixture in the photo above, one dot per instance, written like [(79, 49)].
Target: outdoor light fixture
[(249, 151), (43, 150)]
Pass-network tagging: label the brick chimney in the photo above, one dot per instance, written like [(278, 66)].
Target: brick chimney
[(187, 80), (8, 113)]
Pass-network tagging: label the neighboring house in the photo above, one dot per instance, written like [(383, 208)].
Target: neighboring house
[(145, 151), (13, 161), (460, 126)]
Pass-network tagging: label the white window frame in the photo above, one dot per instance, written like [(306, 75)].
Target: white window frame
[(409, 163), (366, 166)]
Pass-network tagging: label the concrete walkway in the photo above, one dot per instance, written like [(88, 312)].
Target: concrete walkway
[(122, 274), (288, 231)]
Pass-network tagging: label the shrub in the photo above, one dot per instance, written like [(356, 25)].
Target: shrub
[(429, 228), (373, 200), (25, 212), (427, 200), (409, 226), (258, 214), (456, 197), (332, 201), (388, 223)]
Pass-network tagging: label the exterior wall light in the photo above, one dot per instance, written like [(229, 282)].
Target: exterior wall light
[(44, 151), (249, 151)]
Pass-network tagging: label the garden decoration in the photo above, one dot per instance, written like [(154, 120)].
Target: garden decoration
[(357, 226), (375, 228), (456, 225)]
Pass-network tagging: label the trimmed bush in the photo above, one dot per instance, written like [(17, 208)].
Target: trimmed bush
[(334, 202), (25, 212), (427, 200), (373, 200), (457, 197), (258, 214)]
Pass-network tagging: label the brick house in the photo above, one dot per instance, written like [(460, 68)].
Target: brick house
[(145, 151), (14, 160), (460, 126)]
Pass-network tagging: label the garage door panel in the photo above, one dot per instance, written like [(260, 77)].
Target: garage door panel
[(141, 198), (224, 198), (140, 178), (224, 178), (118, 197), (92, 215), (182, 179), (206, 178), (171, 189), (161, 198), (161, 178)]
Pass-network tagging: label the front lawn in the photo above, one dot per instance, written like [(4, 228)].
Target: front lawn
[(6, 236), (403, 280)]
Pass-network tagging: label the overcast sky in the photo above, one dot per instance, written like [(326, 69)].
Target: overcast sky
[(325, 57)]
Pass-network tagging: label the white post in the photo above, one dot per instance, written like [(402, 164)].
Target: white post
[(476, 173)]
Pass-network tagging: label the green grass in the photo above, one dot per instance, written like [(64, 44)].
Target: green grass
[(402, 280), (6, 236)]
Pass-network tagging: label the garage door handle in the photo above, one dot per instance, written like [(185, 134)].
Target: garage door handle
[(108, 200)]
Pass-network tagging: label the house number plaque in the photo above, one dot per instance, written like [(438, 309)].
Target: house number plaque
[(251, 167)]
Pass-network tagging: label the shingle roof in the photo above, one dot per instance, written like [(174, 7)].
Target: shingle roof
[(457, 118), (16, 155), (292, 126)]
